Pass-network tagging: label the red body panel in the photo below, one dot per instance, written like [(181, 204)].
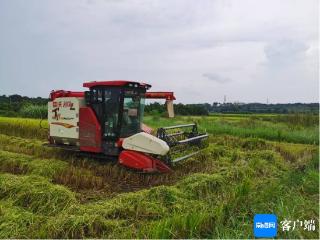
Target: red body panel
[(89, 131), (142, 162), (159, 95), (63, 93), (120, 142)]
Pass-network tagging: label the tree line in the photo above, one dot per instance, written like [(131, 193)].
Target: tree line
[(206, 108), (16, 105)]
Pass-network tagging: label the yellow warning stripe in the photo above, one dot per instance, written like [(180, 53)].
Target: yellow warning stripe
[(66, 125)]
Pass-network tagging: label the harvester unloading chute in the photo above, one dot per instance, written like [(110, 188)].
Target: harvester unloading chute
[(168, 96)]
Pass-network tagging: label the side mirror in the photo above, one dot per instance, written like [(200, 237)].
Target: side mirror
[(87, 97)]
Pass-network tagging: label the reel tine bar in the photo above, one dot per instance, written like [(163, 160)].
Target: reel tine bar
[(179, 139)]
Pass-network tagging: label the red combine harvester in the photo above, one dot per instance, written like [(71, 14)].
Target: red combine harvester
[(108, 120)]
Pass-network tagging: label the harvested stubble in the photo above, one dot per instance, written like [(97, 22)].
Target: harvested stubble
[(89, 173), (213, 195), (80, 178), (172, 207), (131, 209), (101, 219), (165, 211)]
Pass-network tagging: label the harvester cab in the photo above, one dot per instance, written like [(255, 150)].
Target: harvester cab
[(108, 118)]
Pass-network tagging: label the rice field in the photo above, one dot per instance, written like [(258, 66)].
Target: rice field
[(254, 164)]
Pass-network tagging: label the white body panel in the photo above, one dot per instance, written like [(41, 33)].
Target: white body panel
[(144, 142), (63, 118)]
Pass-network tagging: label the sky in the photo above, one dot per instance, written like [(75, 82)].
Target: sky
[(202, 50)]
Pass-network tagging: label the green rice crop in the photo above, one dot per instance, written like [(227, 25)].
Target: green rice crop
[(24, 127), (17, 222), (247, 127), (35, 193), (32, 147), (21, 163), (55, 170), (258, 126)]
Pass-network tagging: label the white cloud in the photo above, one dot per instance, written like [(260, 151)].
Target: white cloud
[(189, 47), (285, 51), (216, 78)]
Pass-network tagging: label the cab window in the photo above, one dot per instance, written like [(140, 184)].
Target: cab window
[(132, 109)]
